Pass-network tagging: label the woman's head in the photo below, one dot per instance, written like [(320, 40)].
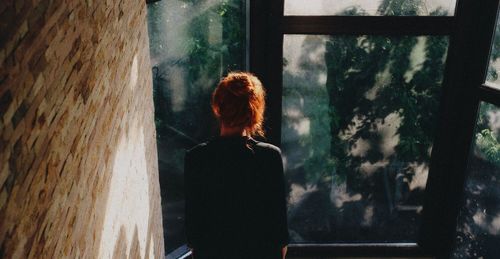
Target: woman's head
[(239, 102)]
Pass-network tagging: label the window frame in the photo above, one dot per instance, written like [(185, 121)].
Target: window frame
[(470, 33), (467, 87)]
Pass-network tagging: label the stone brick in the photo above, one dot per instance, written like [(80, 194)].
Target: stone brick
[(4, 173), (5, 102), (8, 15), (19, 114)]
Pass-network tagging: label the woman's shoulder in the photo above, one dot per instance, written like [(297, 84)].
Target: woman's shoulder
[(258, 146), (267, 147)]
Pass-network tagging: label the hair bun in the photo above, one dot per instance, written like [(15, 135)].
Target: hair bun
[(239, 101), (239, 85)]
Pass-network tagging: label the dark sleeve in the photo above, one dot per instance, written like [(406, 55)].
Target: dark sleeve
[(192, 201), (280, 202)]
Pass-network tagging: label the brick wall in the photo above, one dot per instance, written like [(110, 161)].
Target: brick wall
[(78, 162)]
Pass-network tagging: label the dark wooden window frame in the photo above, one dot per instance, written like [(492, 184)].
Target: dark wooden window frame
[(465, 88), (470, 32)]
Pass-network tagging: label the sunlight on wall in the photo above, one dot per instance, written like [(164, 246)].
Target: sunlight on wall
[(494, 121), (417, 58), (388, 130), (339, 195), (382, 79), (127, 210), (360, 148), (368, 168), (489, 224), (133, 73), (298, 193), (368, 216), (303, 126), (419, 180)]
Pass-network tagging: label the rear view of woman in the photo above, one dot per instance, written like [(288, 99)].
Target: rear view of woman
[(235, 190)]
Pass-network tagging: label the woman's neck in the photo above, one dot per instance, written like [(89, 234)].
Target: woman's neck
[(232, 131)]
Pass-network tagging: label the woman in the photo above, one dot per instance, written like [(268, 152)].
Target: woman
[(235, 190)]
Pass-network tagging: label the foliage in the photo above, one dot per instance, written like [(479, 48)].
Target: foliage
[(207, 39), (487, 141), (355, 65), (340, 114), (488, 145), (492, 75), (208, 56), (382, 92)]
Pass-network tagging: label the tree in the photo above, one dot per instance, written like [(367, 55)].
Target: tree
[(374, 84)]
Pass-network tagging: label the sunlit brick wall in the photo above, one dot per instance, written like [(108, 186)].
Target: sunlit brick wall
[(78, 162)]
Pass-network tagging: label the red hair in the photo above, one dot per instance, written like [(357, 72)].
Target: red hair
[(239, 101)]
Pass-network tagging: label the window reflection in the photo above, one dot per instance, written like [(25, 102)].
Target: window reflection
[(371, 7), (359, 114), (192, 45), (478, 229), (494, 66)]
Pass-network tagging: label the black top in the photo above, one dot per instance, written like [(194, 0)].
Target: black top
[(235, 199)]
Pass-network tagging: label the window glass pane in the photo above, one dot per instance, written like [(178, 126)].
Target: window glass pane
[(494, 67), (359, 114), (192, 44), (478, 230), (371, 7)]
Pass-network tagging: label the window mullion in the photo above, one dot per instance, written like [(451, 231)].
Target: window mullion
[(372, 25)]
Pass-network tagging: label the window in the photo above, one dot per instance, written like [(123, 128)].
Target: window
[(494, 64), (374, 104), (192, 44), (478, 224), (359, 99), (478, 229), (359, 116), (321, 62)]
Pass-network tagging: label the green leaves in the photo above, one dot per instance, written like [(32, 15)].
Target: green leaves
[(488, 146), (487, 139), (357, 65)]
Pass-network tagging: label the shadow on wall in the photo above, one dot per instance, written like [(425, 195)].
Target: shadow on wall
[(128, 249)]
